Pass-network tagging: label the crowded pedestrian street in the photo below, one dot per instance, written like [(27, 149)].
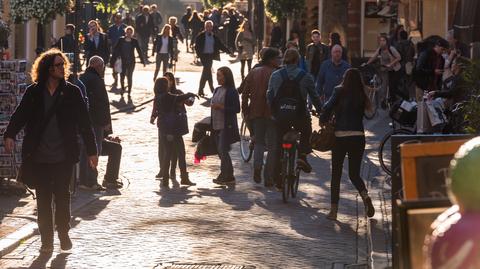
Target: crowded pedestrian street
[(145, 226)]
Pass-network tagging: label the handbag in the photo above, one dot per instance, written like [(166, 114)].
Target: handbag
[(324, 139), (117, 66), (206, 146), (435, 111)]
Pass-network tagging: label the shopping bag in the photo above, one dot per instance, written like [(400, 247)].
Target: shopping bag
[(117, 67), (423, 122), (435, 112)]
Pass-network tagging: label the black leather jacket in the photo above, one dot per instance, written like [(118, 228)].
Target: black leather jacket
[(348, 117), (72, 116)]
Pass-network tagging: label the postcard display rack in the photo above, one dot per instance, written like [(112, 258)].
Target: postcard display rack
[(12, 87)]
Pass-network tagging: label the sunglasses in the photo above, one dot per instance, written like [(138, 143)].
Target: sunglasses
[(59, 65)]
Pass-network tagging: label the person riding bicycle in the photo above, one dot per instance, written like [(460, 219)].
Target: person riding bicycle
[(390, 70), (287, 93)]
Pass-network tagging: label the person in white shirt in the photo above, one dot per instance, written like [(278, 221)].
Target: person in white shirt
[(163, 46)]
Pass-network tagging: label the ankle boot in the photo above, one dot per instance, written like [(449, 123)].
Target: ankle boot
[(332, 215), (185, 180), (367, 202)]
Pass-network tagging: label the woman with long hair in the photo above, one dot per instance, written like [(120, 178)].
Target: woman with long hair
[(125, 50), (389, 71), (245, 43), (348, 103), (176, 151), (164, 110), (224, 108), (163, 46)]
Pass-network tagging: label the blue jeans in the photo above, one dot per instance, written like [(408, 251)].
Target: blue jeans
[(265, 138), (226, 167), (88, 176)]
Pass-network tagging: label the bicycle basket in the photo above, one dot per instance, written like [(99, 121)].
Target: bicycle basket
[(400, 114)]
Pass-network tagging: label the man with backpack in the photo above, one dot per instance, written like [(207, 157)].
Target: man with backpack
[(287, 94)]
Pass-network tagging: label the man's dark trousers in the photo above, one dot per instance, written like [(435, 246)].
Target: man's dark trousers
[(114, 152), (53, 184), (207, 62)]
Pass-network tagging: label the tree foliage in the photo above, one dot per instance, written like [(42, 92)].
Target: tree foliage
[(42, 10), (216, 3), (471, 76), (278, 9)]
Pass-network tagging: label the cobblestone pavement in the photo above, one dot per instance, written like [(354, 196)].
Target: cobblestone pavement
[(143, 226)]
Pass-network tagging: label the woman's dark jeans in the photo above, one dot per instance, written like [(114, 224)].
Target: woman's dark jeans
[(174, 150), (226, 167), (354, 146)]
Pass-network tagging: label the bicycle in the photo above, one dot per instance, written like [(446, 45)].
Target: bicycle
[(290, 172), (246, 141), (373, 80)]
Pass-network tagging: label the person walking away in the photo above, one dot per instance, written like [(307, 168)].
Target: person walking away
[(287, 83), (407, 53), (316, 53), (389, 71), (196, 25), (257, 112), (125, 50), (157, 20), (428, 70), (185, 21), (276, 39), (336, 40), (348, 103), (163, 46), (225, 105), (331, 73), (114, 32), (96, 43), (99, 113), (207, 47), (175, 152), (165, 104), (51, 113), (144, 24), (245, 42)]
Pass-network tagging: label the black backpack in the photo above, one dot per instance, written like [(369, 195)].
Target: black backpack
[(288, 105)]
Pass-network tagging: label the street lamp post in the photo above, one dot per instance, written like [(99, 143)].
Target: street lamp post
[(76, 51)]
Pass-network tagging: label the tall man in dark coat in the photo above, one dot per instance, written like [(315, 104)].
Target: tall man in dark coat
[(207, 47), (144, 26), (99, 112), (52, 111)]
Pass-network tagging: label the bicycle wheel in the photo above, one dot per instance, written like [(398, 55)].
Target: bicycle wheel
[(385, 150), (296, 180), (285, 176), (246, 149)]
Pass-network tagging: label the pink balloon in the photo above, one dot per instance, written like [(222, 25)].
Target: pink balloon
[(455, 241)]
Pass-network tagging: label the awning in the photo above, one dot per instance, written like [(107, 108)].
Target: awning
[(467, 21)]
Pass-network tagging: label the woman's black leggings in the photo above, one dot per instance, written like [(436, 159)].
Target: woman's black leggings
[(354, 146), (127, 70), (242, 67)]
